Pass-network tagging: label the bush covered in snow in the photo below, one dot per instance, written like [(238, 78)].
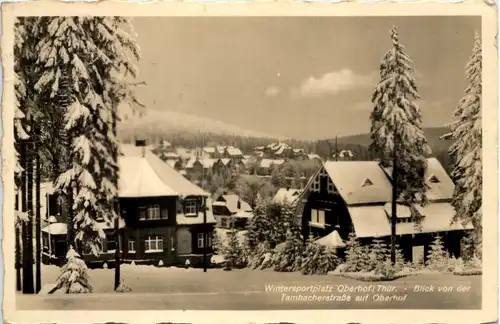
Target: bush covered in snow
[(122, 288), (261, 257), (317, 259), (74, 278)]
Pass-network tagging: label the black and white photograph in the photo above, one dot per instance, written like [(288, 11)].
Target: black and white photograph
[(248, 163)]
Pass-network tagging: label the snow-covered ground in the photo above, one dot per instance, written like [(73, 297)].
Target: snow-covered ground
[(178, 288)]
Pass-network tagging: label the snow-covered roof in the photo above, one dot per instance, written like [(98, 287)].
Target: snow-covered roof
[(246, 157), (225, 161), (313, 156), (56, 229), (171, 163), (62, 229), (209, 149), (402, 211), (206, 162), (266, 163), (233, 151), (231, 202), (170, 155), (372, 221), (149, 176), (349, 177), (332, 240), (286, 195), (440, 190)]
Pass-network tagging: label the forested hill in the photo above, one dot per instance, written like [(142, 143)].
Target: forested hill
[(358, 144), (432, 134)]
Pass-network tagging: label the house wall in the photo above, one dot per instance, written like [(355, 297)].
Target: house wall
[(139, 235), (336, 213)]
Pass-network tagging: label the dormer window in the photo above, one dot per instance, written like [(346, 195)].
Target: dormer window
[(433, 179), (190, 207), (367, 183)]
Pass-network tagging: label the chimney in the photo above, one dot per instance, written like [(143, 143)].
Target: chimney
[(142, 145), (238, 205)]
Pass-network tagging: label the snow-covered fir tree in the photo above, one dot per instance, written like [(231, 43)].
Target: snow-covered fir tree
[(85, 60), (437, 258), (379, 253), (357, 256), (396, 126), (466, 132), (289, 257), (232, 253), (257, 226), (74, 277), (311, 257)]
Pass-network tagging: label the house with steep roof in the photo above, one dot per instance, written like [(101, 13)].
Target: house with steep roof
[(287, 195), (231, 211), (356, 196), (163, 215), (266, 166)]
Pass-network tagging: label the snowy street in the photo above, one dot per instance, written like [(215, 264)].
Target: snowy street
[(173, 288)]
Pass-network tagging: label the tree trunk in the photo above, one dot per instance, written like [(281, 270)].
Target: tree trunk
[(38, 229), (28, 287), (116, 204), (18, 250), (67, 195)]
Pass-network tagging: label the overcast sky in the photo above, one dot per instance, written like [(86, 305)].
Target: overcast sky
[(307, 78)]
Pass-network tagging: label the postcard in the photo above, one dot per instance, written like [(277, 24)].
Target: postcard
[(249, 162)]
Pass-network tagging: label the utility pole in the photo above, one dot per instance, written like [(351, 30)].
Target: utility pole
[(205, 238), (336, 148), (394, 200)]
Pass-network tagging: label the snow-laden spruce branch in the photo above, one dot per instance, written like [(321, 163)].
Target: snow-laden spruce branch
[(466, 134)]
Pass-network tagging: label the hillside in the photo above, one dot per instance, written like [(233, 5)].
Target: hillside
[(432, 134), (167, 123)]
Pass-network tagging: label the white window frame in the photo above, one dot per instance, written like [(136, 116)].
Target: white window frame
[(318, 216), (156, 239), (190, 207), (153, 212), (131, 247), (45, 242), (199, 239)]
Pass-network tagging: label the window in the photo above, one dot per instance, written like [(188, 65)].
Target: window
[(318, 216), (433, 179), (367, 182), (190, 207), (153, 243), (153, 212), (45, 242), (110, 245), (131, 246), (142, 212), (201, 243), (223, 222)]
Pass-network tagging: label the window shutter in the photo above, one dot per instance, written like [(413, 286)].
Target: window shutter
[(164, 213)]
